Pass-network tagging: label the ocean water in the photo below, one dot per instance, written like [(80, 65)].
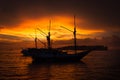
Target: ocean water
[(98, 65)]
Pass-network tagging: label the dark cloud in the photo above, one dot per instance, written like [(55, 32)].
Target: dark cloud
[(111, 42), (99, 14), (10, 37), (3, 36)]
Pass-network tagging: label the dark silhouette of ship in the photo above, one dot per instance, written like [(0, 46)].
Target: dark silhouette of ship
[(54, 54)]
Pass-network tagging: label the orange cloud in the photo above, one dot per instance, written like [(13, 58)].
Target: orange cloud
[(28, 26)]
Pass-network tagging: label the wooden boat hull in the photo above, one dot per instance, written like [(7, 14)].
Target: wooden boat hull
[(58, 57)]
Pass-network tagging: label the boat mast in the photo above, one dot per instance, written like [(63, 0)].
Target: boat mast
[(44, 44), (74, 33), (35, 39), (48, 37)]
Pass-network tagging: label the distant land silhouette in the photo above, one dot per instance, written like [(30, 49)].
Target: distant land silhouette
[(112, 42), (84, 47)]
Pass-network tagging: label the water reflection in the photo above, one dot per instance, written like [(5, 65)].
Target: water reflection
[(97, 66), (59, 71), (13, 66)]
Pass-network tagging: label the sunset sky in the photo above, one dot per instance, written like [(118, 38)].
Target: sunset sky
[(94, 18)]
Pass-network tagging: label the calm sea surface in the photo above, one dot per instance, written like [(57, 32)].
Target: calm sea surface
[(98, 65)]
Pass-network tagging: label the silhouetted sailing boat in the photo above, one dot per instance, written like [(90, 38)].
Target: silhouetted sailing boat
[(54, 54)]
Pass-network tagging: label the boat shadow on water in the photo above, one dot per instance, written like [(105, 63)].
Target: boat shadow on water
[(59, 70), (57, 62)]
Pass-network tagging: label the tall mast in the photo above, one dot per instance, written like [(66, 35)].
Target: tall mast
[(48, 37), (35, 39), (74, 33), (39, 40)]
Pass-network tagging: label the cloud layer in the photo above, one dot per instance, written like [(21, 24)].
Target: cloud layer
[(102, 14)]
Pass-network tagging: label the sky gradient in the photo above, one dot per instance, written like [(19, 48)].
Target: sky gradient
[(94, 18)]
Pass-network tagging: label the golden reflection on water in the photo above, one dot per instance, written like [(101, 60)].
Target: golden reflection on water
[(13, 66), (16, 67), (58, 71)]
